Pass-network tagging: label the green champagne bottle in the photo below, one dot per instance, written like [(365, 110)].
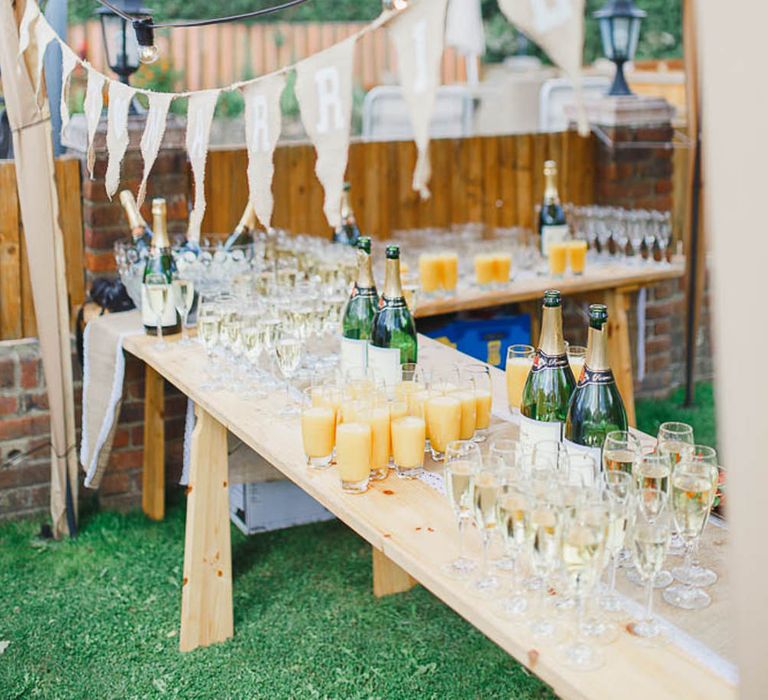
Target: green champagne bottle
[(160, 261), (550, 382), (141, 234), (553, 226), (242, 235), (348, 231), (357, 324), (596, 405), (393, 338)]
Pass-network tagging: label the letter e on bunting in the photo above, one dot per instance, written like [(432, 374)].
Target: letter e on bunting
[(263, 122), (418, 36), (120, 97), (94, 101), (199, 118), (154, 129), (324, 93)]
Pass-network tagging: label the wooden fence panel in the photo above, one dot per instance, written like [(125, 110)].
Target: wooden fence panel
[(17, 313)]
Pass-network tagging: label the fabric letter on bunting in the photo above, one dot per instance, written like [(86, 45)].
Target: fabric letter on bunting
[(154, 129), (94, 101), (263, 122), (120, 97), (68, 63), (199, 118), (324, 93), (558, 27), (417, 36)]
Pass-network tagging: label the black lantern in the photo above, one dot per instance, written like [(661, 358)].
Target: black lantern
[(619, 31), (120, 39)]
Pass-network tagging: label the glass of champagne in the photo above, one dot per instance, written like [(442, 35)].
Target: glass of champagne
[(485, 495), (621, 450), (675, 441), (288, 354), (515, 505), (519, 363), (577, 355), (545, 552), (353, 447), (649, 533), (479, 376), (157, 295), (620, 485), (318, 428), (208, 322), (252, 340), (183, 296), (692, 492), (462, 462)]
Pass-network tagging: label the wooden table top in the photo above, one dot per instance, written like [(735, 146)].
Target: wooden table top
[(527, 286), (413, 525)]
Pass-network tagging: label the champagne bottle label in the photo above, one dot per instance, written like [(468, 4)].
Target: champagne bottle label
[(543, 361), (553, 234), (384, 364), (533, 431), (595, 376), (354, 354), (148, 317)]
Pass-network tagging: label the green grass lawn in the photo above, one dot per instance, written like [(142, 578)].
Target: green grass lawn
[(98, 618)]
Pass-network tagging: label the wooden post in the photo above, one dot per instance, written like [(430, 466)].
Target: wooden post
[(206, 594), (619, 349), (388, 577), (153, 475)]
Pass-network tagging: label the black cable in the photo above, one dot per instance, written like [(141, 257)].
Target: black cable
[(21, 456)]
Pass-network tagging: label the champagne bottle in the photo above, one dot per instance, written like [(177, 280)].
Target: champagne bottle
[(553, 227), (393, 337), (596, 407), (160, 261), (357, 323), (242, 235), (140, 232), (348, 231), (550, 382)]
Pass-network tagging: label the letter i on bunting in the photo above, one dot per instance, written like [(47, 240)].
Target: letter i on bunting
[(418, 36), (199, 118), (120, 97), (263, 122), (154, 129), (94, 101), (324, 93)]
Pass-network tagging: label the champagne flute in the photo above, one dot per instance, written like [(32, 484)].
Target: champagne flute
[(288, 353), (183, 296), (649, 540), (692, 493), (252, 340), (545, 552), (485, 494), (208, 325), (462, 462), (620, 485), (675, 441), (515, 506), (157, 295), (620, 451)]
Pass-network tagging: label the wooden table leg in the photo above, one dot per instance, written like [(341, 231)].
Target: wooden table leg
[(206, 594), (388, 577), (619, 349), (153, 475)]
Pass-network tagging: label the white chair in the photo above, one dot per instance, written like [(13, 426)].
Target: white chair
[(386, 117), (557, 93)]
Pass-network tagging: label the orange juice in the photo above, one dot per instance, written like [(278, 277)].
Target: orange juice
[(444, 420), (353, 452), (468, 413), (449, 270), (577, 256), (483, 402), (485, 269), (408, 440), (398, 408), (429, 273), (318, 431), (407, 387), (517, 374), (576, 363), (380, 441), (502, 267), (557, 258)]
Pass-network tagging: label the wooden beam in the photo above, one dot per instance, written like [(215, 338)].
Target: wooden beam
[(388, 577), (619, 348), (206, 593), (153, 475)]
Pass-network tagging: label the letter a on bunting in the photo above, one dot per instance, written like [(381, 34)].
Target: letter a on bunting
[(324, 92)]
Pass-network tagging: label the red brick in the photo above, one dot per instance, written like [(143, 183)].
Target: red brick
[(15, 500), (656, 346), (7, 373), (104, 238), (663, 326), (25, 475), (39, 496), (663, 187), (37, 401), (169, 162), (100, 261), (101, 215), (127, 459), (122, 438), (114, 483), (30, 373), (137, 436), (8, 405), (25, 426)]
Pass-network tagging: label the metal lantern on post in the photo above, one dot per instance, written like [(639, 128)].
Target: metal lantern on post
[(619, 31), (120, 41)]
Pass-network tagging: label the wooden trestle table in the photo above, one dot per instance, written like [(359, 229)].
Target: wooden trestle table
[(409, 525)]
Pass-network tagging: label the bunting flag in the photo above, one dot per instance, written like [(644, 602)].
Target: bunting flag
[(417, 36), (120, 97), (557, 26), (94, 101), (44, 35), (263, 122), (324, 93), (28, 20), (199, 119), (154, 130), (68, 63)]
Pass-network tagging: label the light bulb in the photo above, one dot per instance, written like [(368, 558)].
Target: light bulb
[(148, 54)]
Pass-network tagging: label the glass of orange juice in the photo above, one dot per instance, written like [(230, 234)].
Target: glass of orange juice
[(485, 273), (577, 354), (449, 270), (409, 438), (519, 363), (443, 412), (380, 436), (557, 255), (466, 394), (318, 428), (479, 375), (577, 256), (502, 268), (429, 273), (354, 442)]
